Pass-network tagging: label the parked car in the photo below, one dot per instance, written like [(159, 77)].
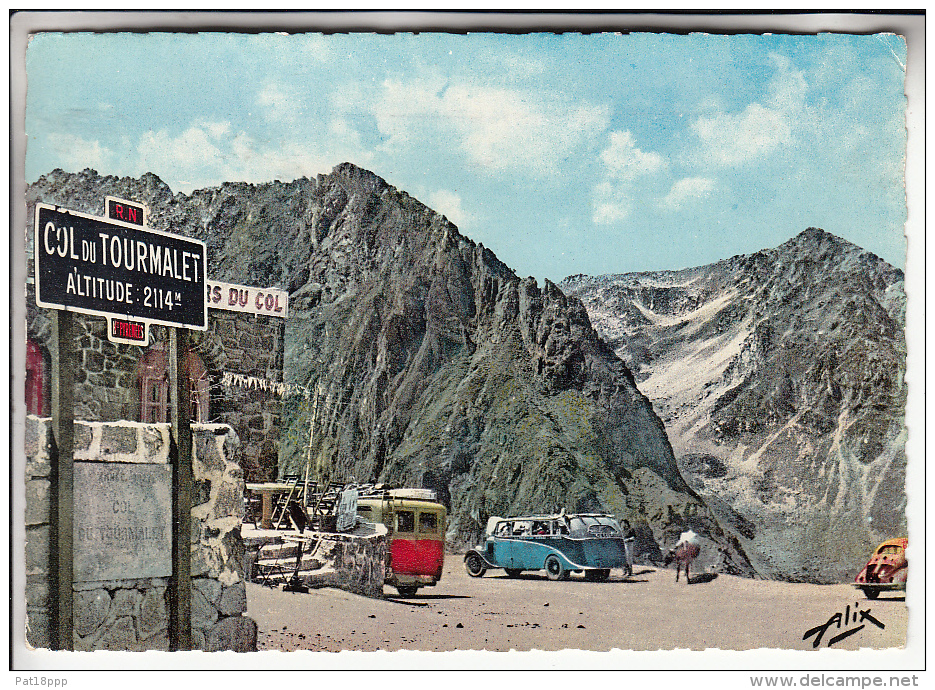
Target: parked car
[(591, 543), (886, 570)]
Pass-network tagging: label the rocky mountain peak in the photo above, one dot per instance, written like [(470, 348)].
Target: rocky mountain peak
[(358, 179), (779, 377), (813, 238)]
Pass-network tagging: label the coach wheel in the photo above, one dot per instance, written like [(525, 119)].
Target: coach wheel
[(554, 568), (474, 565)]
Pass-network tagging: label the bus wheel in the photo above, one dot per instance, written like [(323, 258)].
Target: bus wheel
[(513, 572), (554, 568), (474, 565), (871, 592), (407, 590)]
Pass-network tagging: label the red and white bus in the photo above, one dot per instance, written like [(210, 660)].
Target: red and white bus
[(415, 524)]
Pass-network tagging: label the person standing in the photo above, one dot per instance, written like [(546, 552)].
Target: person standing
[(629, 539)]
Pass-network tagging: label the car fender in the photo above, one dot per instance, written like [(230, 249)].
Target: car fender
[(480, 554), (566, 563)]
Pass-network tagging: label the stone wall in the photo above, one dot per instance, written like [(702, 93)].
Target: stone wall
[(107, 386), (131, 613), (358, 561), (355, 562), (251, 346)]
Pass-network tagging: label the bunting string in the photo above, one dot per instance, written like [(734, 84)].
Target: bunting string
[(231, 379)]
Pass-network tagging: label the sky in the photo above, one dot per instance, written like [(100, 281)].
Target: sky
[(562, 153)]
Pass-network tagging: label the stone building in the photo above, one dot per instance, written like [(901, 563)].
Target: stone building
[(235, 368)]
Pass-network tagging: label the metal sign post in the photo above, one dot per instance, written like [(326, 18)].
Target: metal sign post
[(61, 537), (180, 605)]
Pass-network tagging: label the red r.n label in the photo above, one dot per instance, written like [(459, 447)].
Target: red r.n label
[(126, 212)]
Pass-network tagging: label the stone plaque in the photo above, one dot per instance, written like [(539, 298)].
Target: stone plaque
[(123, 521), (347, 511)]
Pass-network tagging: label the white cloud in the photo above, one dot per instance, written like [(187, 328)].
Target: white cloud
[(733, 139), (788, 87), (612, 203), (317, 47), (340, 130), (245, 155), (687, 189), (497, 129), (624, 164), (209, 153), (216, 130), (450, 205), (280, 103), (402, 110), (272, 96), (195, 149), (76, 153)]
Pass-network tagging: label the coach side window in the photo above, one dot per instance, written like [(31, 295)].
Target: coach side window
[(428, 523), (405, 521)]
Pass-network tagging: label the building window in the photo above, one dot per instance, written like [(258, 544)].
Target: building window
[(154, 385), (37, 377)]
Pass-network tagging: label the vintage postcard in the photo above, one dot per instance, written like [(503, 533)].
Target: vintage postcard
[(584, 342)]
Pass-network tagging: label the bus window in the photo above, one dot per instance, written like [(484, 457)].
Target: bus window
[(609, 522), (405, 521), (428, 522)]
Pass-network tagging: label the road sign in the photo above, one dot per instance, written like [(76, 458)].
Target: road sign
[(249, 300), (107, 267), (127, 331), (132, 212)]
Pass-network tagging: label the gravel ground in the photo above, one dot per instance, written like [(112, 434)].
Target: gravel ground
[(648, 611)]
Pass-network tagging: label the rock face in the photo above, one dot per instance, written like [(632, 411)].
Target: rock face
[(428, 362), (780, 379)]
